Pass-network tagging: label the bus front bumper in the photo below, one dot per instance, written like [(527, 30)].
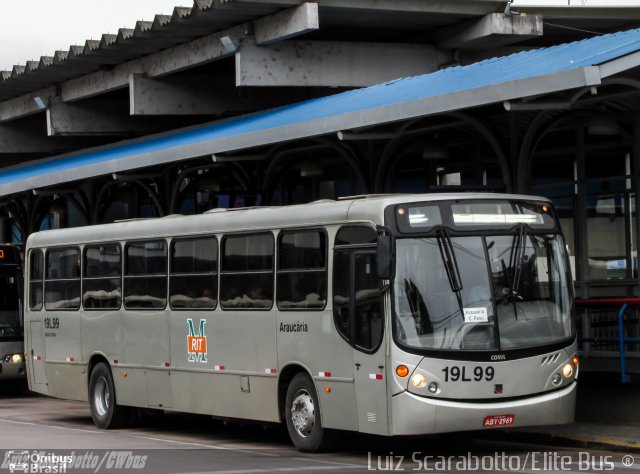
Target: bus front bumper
[(414, 415)]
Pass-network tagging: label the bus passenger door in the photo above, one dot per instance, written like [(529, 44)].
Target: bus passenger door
[(36, 353), (361, 321)]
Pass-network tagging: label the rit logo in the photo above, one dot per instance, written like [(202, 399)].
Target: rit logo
[(197, 342)]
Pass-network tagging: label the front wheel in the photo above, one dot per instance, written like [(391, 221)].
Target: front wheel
[(302, 414), (106, 413)]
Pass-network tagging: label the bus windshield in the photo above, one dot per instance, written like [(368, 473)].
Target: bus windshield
[(489, 292), (9, 305)]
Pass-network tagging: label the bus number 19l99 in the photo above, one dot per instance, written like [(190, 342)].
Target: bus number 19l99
[(460, 374)]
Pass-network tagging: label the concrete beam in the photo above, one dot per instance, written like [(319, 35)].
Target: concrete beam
[(287, 24), (184, 95), (105, 118), (178, 58), (332, 64), (26, 105), (28, 140), (493, 30)]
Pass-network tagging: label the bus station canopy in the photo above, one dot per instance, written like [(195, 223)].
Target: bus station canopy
[(524, 74)]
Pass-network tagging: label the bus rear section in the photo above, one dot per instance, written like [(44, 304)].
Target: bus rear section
[(11, 319)]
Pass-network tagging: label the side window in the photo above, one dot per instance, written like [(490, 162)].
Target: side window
[(62, 279), (302, 270), (193, 282), (367, 305), (246, 280), (145, 279), (356, 235), (342, 292), (357, 307), (36, 279), (102, 279)]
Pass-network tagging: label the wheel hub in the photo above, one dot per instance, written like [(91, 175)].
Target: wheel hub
[(303, 414), (101, 396)]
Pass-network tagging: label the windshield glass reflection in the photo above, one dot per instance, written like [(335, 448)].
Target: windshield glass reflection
[(520, 278)]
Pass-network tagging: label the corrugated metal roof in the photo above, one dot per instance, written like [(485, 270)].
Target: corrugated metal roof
[(491, 72), (185, 24)]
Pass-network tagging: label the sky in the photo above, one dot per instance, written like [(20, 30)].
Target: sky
[(33, 28)]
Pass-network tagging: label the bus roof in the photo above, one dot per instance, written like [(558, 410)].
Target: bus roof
[(353, 209)]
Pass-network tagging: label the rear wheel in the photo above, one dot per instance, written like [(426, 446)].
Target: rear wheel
[(302, 414), (106, 413)]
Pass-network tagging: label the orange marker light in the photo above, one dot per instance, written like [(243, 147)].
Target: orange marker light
[(402, 371), (575, 360), (545, 208), (1, 253), (327, 389)]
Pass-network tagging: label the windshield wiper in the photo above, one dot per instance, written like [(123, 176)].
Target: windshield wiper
[(514, 270), (451, 265), (517, 256)]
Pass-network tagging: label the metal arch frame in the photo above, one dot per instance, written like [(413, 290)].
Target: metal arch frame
[(67, 195), (546, 120), (175, 189), (463, 118), (281, 152), (21, 218), (145, 187)]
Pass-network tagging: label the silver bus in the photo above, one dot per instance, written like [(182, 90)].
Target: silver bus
[(390, 315), (12, 364)]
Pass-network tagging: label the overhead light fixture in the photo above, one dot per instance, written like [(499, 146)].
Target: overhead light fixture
[(39, 103), (603, 125), (228, 44), (233, 158)]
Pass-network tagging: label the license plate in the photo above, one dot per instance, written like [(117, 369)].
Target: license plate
[(498, 420)]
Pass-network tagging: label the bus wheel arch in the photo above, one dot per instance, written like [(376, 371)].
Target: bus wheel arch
[(105, 411)]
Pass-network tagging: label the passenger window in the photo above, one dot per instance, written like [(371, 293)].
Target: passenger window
[(102, 280), (145, 280), (62, 280), (302, 270), (36, 280), (246, 280), (193, 283)]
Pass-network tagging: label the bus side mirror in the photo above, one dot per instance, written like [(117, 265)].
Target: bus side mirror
[(385, 263)]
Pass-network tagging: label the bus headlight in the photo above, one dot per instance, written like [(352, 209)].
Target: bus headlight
[(433, 387), (419, 381), (567, 370), (556, 379), (12, 359)]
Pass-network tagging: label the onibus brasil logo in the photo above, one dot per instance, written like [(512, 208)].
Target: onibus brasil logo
[(197, 342)]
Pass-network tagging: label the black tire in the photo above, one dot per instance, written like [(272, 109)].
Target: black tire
[(302, 415), (106, 413)]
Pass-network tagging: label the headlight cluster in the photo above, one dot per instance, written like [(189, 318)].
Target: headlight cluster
[(567, 370), (12, 359), (418, 380)]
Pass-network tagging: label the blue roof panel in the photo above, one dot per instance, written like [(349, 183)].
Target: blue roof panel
[(523, 65)]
